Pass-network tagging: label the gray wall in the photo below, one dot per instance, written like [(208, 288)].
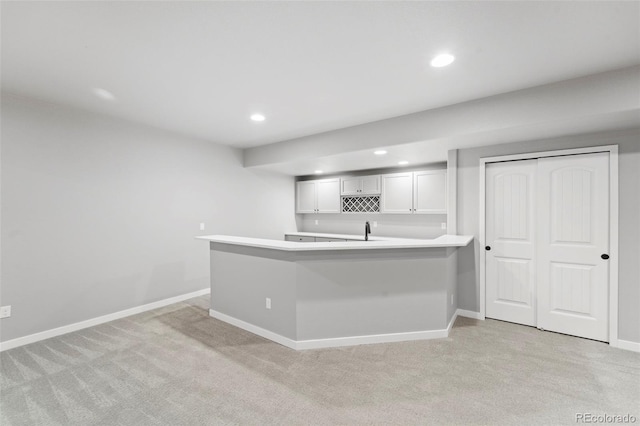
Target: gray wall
[(452, 285), (629, 220), (100, 214), (333, 294), (241, 282), (374, 292)]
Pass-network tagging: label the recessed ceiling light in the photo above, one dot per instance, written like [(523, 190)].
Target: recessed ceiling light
[(403, 163), (104, 94), (380, 152), (258, 117), (442, 60), (318, 172)]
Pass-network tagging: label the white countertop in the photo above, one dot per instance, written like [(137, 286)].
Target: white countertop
[(373, 243)]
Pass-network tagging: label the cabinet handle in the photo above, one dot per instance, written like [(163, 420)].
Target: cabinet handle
[(487, 248), (605, 256)]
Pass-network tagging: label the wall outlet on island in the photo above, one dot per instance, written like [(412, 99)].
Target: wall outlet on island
[(317, 221), (202, 226), (267, 303), (5, 311), (444, 225)]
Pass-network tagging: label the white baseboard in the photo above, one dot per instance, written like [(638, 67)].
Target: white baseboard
[(469, 314), (374, 338), (331, 342), (627, 345), (621, 344), (284, 341), (36, 337), (453, 320)]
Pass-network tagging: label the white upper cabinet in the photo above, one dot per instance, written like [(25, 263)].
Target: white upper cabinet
[(328, 196), (370, 185), (397, 193), (306, 197), (430, 191), (318, 196), (422, 192), (360, 185), (350, 186), (419, 192)]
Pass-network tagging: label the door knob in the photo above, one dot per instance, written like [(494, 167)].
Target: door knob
[(487, 248), (605, 256)]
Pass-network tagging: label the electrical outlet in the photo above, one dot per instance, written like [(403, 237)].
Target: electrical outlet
[(375, 223), (5, 311), (444, 225), (317, 221), (267, 303), (202, 226)]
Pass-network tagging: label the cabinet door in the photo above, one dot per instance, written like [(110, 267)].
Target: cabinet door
[(299, 239), (328, 196), (397, 193), (370, 185), (350, 186), (430, 191), (329, 240), (306, 197)]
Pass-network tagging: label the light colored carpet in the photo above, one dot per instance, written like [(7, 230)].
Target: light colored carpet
[(178, 366)]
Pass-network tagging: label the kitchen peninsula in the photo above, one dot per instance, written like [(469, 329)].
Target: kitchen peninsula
[(307, 295)]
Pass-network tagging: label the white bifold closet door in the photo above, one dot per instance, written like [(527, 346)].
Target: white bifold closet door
[(510, 236), (547, 227), (573, 234)]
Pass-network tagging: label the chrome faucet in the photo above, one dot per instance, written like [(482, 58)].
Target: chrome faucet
[(367, 231)]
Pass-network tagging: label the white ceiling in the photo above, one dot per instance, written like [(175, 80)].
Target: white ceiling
[(201, 68)]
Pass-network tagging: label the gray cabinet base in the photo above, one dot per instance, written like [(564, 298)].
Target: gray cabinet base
[(324, 299)]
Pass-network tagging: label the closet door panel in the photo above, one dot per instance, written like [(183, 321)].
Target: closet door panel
[(573, 234), (510, 234)]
